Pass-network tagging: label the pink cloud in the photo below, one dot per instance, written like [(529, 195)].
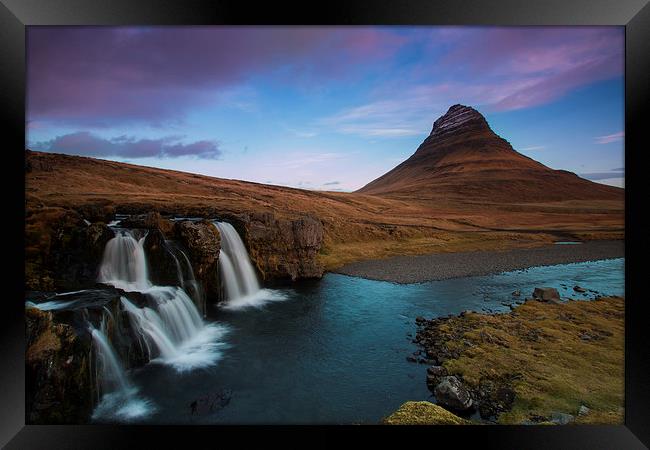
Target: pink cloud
[(608, 139)]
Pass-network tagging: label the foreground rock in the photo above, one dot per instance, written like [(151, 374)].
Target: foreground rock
[(530, 365), (60, 369), (423, 413), (451, 393)]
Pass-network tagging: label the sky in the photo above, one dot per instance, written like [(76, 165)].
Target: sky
[(325, 108)]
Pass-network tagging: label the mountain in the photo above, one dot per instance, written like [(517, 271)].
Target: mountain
[(464, 158)]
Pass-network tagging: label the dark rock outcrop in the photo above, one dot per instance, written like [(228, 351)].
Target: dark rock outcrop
[(163, 268), (151, 220), (283, 248), (60, 359), (434, 376), (62, 251), (58, 371), (451, 393), (97, 212), (203, 243)]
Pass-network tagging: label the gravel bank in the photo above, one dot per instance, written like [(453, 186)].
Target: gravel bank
[(441, 266)]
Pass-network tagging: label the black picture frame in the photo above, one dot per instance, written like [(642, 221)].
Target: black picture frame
[(15, 15)]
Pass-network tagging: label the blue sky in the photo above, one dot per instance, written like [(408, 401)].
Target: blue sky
[(322, 107)]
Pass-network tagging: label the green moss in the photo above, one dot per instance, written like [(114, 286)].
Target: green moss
[(423, 413), (560, 356)]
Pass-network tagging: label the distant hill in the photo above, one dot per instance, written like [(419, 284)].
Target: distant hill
[(464, 158)]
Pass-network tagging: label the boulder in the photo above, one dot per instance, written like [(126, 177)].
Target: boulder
[(583, 410), (546, 294), (452, 394), (579, 289)]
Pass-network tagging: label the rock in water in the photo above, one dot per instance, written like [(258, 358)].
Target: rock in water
[(451, 393), (579, 289), (546, 294)]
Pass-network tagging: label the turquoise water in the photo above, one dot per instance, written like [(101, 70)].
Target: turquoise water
[(335, 350)]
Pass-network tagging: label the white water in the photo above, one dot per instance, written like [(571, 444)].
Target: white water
[(124, 263), (119, 400), (188, 283), (173, 332), (170, 326), (48, 306), (237, 273)]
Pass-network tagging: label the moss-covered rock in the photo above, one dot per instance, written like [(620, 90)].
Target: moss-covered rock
[(423, 413), (541, 359)]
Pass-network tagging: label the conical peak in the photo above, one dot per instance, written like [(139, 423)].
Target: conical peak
[(457, 119)]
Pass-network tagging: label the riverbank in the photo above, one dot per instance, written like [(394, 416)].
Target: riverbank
[(441, 266), (544, 362)]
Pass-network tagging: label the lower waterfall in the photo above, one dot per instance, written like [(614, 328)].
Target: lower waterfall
[(172, 330), (119, 399)]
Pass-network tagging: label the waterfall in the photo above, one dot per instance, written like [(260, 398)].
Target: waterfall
[(169, 326), (237, 273), (119, 397), (124, 264), (172, 330), (186, 278), (111, 373), (236, 269)]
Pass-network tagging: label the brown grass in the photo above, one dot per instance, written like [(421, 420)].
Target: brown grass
[(357, 226)]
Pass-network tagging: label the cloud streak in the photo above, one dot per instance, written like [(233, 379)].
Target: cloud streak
[(608, 139), (88, 144), (500, 69)]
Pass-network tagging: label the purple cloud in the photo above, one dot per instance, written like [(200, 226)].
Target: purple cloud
[(540, 63), (100, 76), (88, 144)]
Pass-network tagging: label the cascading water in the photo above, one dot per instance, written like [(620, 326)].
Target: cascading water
[(186, 277), (237, 273), (170, 326), (172, 330), (237, 270), (124, 263), (119, 397)]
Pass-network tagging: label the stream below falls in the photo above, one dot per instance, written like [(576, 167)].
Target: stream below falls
[(333, 351)]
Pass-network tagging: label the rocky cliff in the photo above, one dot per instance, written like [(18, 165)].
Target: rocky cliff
[(282, 248)]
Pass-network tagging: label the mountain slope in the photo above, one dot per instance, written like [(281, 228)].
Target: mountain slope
[(464, 158)]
